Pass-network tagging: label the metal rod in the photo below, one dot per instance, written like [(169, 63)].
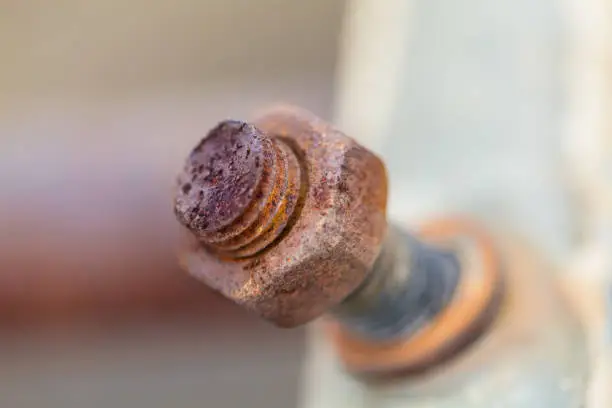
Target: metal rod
[(410, 283)]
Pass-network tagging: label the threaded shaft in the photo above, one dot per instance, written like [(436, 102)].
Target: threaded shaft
[(238, 190), (410, 283)]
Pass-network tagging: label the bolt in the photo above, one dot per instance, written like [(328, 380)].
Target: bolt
[(286, 216), (410, 283), (424, 302), (238, 190)]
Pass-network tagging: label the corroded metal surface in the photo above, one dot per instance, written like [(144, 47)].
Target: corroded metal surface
[(473, 307), (221, 177), (239, 190), (308, 223), (410, 284)]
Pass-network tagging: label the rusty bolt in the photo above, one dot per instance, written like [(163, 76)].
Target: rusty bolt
[(238, 190), (284, 215)]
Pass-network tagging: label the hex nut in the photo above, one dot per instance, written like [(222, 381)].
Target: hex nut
[(328, 246)]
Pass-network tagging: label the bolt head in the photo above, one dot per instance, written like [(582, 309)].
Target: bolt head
[(332, 244)]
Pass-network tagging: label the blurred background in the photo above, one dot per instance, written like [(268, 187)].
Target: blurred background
[(483, 107), (100, 102)]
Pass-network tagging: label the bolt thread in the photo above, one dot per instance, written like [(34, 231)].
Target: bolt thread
[(239, 190), (269, 212)]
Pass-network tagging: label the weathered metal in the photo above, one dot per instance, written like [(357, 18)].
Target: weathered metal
[(290, 229), (286, 216), (239, 190), (470, 303), (410, 283)]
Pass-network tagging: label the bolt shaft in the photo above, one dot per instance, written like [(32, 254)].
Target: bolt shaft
[(410, 283)]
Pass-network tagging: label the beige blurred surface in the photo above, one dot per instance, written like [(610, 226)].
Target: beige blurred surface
[(152, 365), (99, 104), (98, 48)]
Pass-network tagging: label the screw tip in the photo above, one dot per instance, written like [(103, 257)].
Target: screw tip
[(220, 177)]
